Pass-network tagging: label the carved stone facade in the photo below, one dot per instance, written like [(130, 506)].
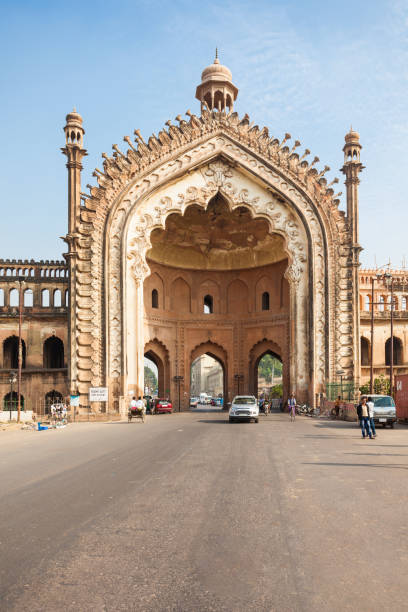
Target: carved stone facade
[(42, 287), (213, 155), (373, 284)]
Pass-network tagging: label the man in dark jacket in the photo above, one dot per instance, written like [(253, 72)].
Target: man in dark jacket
[(363, 415)]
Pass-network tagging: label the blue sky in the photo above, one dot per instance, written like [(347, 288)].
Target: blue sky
[(309, 68)]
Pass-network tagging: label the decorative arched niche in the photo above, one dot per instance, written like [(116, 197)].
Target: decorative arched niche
[(198, 187)]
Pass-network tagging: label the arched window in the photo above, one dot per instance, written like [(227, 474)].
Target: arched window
[(66, 298), (10, 353), (403, 303), (28, 298), (10, 402), (14, 297), (53, 355), (367, 303), (381, 303), (57, 298), (1, 297), (365, 351), (208, 304), (45, 298), (155, 298), (397, 349), (265, 300), (52, 397)]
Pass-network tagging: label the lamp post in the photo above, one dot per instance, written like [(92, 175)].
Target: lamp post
[(238, 378), (12, 381), (373, 279), (341, 373), (389, 280), (177, 380), (20, 346)]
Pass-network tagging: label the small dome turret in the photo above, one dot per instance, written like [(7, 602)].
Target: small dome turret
[(352, 147), (352, 137), (74, 132), (216, 90)]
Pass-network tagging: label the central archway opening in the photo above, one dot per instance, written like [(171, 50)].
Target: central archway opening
[(151, 376), (216, 287), (269, 377), (207, 382)]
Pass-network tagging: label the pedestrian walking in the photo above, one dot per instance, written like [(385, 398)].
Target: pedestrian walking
[(337, 404), (370, 406), (292, 406), (362, 413)]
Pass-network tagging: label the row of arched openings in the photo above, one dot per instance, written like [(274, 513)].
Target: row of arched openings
[(384, 302), (397, 349), (30, 272), (208, 301), (58, 298), (10, 400), (53, 353)]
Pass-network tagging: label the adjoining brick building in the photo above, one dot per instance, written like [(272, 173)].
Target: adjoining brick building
[(43, 289), (210, 238)]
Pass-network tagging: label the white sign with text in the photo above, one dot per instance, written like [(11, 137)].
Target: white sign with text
[(98, 394)]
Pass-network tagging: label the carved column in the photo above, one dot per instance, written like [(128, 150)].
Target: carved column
[(134, 345), (351, 169), (74, 151), (299, 341)]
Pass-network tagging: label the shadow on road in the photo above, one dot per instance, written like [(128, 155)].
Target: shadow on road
[(379, 454), (353, 465), (216, 421), (337, 424)]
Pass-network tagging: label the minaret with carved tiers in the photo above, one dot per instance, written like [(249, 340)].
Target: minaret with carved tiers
[(351, 169), (74, 139)]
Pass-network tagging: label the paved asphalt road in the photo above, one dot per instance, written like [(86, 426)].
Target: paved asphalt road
[(188, 512)]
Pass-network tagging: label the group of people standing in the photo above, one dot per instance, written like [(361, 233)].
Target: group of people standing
[(365, 413)]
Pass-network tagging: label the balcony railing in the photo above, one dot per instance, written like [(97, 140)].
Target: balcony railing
[(386, 314)]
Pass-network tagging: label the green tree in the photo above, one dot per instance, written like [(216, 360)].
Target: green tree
[(381, 386), (266, 365), (150, 379)]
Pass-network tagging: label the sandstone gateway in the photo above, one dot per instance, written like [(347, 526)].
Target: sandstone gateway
[(212, 237), (212, 209)]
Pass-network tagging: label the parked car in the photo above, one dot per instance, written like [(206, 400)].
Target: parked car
[(162, 405), (244, 408), (194, 401), (384, 410)]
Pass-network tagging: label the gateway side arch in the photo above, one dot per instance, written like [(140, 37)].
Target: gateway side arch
[(244, 207)]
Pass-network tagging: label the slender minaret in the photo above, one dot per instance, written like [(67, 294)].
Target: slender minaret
[(74, 139), (351, 169)]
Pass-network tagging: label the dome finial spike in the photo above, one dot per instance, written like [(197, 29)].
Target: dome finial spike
[(74, 111), (216, 61)]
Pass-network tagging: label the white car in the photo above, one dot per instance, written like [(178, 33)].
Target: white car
[(244, 408)]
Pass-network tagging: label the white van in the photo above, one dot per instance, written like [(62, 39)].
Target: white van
[(244, 408), (385, 412)]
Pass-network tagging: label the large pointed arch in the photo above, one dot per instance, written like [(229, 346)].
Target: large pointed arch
[(218, 353), (191, 163), (261, 348)]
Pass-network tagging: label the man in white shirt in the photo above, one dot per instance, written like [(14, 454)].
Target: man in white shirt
[(370, 406), (138, 404)]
